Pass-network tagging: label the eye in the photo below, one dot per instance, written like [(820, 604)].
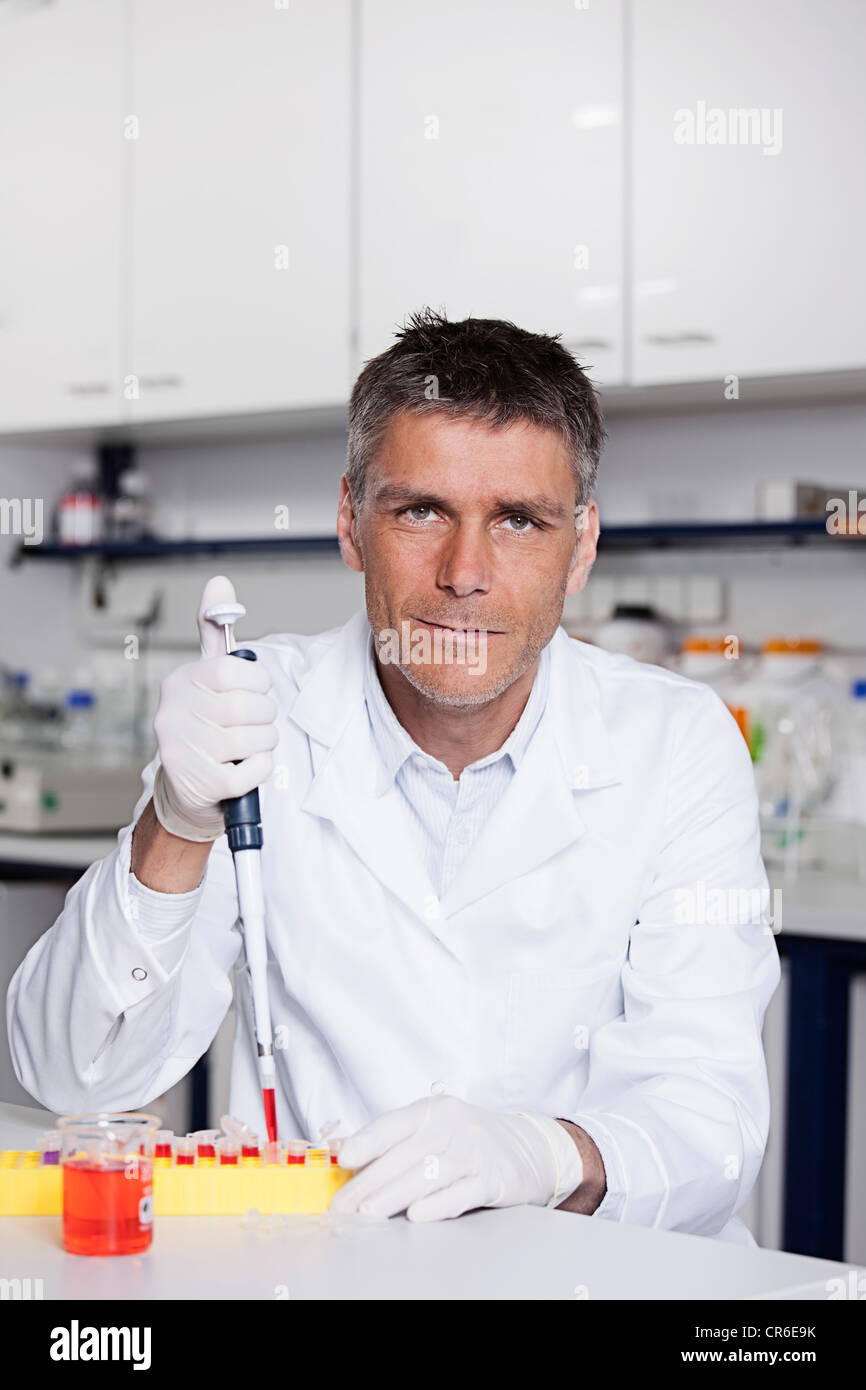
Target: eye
[(411, 513), (524, 524)]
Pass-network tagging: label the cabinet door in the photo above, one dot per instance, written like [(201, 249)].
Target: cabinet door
[(490, 176), (240, 197), (749, 130), (61, 155)]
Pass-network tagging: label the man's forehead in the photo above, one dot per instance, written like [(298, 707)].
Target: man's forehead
[(469, 455), (437, 429)]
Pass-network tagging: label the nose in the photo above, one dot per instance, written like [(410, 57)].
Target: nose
[(464, 566)]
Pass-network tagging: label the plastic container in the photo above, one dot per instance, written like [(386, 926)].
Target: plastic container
[(857, 771), (637, 631), (49, 1147), (793, 723), (114, 717), (79, 518), (107, 1182), (80, 729), (130, 510), (712, 660), (846, 808)]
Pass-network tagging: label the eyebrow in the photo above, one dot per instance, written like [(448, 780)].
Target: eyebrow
[(541, 505)]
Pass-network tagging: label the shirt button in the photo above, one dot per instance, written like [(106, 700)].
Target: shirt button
[(461, 835), (431, 909), (437, 1088), (139, 974)]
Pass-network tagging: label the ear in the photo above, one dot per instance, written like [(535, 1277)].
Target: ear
[(587, 528), (346, 524)]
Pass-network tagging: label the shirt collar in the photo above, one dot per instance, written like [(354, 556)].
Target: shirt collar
[(395, 744)]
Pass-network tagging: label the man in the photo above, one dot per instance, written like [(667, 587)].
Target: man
[(488, 848)]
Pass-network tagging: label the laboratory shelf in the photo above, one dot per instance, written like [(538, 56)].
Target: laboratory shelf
[(683, 534), (692, 534), (158, 548)]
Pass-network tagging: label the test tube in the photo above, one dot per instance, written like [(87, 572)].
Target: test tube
[(227, 1150), (250, 1148), (318, 1158), (49, 1146), (185, 1156), (205, 1149), (296, 1150), (272, 1152), (329, 1151), (162, 1143)]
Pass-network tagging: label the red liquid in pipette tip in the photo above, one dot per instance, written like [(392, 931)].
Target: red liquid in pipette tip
[(270, 1113)]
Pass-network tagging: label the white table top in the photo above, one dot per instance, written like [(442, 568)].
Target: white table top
[(816, 903), (64, 851), (819, 903), (517, 1253)]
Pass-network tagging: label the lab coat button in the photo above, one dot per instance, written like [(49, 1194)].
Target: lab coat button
[(139, 974), (437, 1088)]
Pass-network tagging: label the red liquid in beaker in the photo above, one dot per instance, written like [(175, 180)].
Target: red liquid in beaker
[(108, 1206)]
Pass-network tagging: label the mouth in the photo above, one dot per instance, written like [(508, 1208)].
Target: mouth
[(460, 631)]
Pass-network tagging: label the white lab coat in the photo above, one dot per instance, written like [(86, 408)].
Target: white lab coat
[(569, 969)]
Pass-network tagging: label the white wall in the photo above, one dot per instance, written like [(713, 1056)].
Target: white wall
[(669, 466), (655, 467), (37, 613), (708, 465)]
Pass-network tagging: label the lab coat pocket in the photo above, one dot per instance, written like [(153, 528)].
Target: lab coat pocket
[(550, 1021)]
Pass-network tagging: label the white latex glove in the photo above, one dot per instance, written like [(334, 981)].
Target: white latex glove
[(440, 1157), (212, 713)]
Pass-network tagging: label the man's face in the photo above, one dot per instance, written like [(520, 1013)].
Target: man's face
[(472, 529)]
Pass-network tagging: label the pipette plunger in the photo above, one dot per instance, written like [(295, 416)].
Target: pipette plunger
[(244, 835)]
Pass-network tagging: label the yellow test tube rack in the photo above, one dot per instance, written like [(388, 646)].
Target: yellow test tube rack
[(30, 1188)]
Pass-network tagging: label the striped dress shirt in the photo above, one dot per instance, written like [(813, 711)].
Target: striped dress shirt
[(447, 814)]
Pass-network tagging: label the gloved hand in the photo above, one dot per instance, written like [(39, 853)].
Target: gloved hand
[(211, 713), (440, 1157)]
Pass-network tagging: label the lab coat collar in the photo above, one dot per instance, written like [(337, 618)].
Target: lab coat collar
[(569, 754)]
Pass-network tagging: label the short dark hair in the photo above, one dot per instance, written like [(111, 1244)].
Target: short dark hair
[(485, 369)]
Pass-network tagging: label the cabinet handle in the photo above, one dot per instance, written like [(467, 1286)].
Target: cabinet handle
[(588, 344), (678, 339), (14, 10), (88, 388), (159, 383)]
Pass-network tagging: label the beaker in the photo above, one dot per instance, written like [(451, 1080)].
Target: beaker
[(107, 1182)]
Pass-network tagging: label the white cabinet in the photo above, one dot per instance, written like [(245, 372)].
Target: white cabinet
[(749, 202), (239, 206), (490, 169), (61, 242)]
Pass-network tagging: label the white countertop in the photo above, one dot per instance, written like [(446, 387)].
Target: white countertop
[(816, 903), (821, 903), (517, 1253), (65, 851)]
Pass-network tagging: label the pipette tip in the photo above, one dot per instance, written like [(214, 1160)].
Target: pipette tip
[(270, 1113)]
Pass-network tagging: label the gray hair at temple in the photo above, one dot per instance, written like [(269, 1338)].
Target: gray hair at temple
[(484, 369)]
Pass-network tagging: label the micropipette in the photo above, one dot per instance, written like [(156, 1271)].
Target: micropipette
[(244, 835)]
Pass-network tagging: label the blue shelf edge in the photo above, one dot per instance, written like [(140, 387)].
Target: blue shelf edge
[(151, 549), (612, 537)]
